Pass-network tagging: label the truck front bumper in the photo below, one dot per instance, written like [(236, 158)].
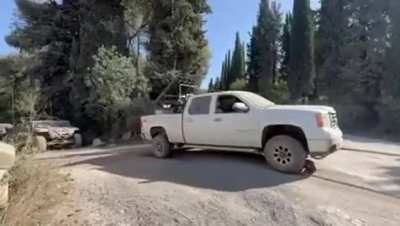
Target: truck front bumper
[(322, 155), (321, 148)]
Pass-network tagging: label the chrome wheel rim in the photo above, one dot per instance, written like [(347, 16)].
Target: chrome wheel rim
[(282, 155)]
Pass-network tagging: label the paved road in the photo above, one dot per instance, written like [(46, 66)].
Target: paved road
[(125, 185)]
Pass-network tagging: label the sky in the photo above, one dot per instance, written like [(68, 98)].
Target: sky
[(228, 17), (7, 9)]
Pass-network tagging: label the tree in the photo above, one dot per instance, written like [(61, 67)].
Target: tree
[(65, 35), (211, 85), (302, 70), (263, 48), (217, 84), (253, 66), (330, 39), (239, 84), (14, 84), (226, 72), (392, 80), (285, 42), (177, 46), (222, 76), (48, 31), (113, 84), (238, 68)]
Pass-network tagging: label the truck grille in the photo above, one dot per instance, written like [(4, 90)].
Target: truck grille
[(333, 119)]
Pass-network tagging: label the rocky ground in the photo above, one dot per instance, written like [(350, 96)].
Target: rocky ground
[(125, 185)]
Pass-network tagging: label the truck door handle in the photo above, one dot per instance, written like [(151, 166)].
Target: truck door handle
[(189, 120), (218, 120)]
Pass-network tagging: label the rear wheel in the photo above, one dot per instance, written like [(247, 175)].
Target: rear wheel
[(41, 143), (161, 146), (286, 154)]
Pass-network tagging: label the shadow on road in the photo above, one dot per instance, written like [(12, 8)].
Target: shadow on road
[(392, 186), (223, 171)]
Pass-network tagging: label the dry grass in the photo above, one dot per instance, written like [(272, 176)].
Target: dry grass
[(35, 190)]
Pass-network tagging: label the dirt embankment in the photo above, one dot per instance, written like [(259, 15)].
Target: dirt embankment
[(36, 190)]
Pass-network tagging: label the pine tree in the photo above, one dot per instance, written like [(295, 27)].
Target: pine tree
[(302, 70), (263, 49), (177, 46)]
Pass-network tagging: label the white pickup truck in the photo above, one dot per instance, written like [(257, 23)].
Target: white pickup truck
[(243, 121)]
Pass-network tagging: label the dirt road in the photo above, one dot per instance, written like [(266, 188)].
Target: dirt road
[(125, 185)]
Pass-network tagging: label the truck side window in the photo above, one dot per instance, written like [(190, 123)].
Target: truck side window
[(200, 106), (225, 104)]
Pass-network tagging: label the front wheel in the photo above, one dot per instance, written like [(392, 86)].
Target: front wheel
[(161, 146), (285, 154), (77, 140)]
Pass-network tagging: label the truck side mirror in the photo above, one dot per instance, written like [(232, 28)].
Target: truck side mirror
[(240, 107)]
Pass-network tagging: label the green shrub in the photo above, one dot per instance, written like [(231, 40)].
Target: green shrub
[(114, 83)]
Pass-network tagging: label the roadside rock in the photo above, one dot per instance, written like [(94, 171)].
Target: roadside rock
[(127, 136), (272, 207), (97, 142)]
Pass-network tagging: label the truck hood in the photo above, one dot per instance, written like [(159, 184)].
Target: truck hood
[(311, 108)]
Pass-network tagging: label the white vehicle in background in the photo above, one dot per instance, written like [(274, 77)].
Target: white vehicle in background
[(243, 121)]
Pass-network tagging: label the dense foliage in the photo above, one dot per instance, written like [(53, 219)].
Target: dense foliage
[(263, 49), (177, 47), (343, 54), (91, 56), (92, 60)]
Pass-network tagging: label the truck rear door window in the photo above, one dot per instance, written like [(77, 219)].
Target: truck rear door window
[(200, 106)]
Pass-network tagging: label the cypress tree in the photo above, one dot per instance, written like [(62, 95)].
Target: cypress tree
[(243, 71), (263, 48), (237, 67), (330, 38), (211, 85), (228, 71), (285, 40), (302, 71), (217, 84), (253, 66), (222, 76)]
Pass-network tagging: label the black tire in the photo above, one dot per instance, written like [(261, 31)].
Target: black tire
[(285, 154), (161, 146), (77, 140)]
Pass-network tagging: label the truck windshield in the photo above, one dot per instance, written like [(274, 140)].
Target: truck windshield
[(257, 100)]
